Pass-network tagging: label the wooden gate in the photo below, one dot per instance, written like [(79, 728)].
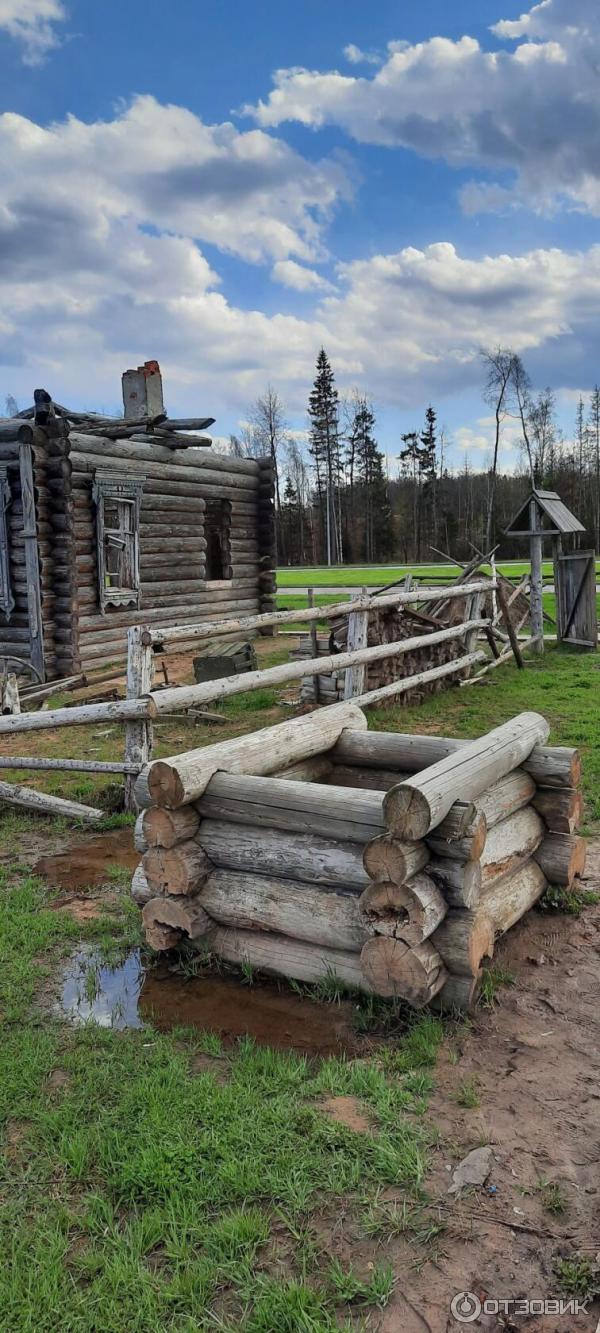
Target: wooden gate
[(577, 617)]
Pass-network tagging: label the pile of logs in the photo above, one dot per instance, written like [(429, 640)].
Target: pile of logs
[(393, 861), (386, 625)]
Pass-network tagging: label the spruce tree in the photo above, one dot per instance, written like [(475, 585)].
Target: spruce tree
[(324, 449)]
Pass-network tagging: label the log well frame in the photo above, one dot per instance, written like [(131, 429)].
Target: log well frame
[(294, 871)]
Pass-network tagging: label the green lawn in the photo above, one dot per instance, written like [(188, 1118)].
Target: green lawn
[(157, 1182), (379, 575)]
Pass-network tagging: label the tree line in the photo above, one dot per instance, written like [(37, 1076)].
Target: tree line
[(335, 503)]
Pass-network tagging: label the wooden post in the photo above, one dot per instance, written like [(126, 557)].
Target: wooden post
[(510, 628), (537, 611), (358, 632), (314, 643), (138, 735)]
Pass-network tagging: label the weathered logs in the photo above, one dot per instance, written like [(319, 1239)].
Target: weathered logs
[(283, 854), (458, 994), (177, 870), (463, 939), (140, 888), (469, 847), (459, 881), (260, 902), (391, 967), (548, 765), (183, 778), (418, 804), (410, 911), (372, 779), (287, 957), (504, 902), (326, 811), (25, 798), (510, 843), (561, 809), (510, 794), (561, 857), (167, 919)]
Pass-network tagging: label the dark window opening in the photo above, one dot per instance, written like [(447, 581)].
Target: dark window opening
[(216, 529), (7, 601)]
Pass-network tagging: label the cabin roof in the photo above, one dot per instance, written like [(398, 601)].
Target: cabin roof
[(553, 508)]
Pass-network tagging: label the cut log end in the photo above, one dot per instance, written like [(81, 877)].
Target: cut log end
[(407, 813), (408, 912), (392, 968), (164, 785), (167, 922)]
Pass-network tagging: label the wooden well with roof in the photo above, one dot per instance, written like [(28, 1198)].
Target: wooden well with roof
[(543, 516)]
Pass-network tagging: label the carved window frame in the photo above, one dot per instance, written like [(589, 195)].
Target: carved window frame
[(7, 601), (126, 491)]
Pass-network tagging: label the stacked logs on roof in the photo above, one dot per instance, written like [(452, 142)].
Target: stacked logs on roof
[(172, 432), (332, 864)]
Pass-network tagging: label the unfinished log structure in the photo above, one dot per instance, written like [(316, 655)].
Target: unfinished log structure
[(394, 861), (107, 522)]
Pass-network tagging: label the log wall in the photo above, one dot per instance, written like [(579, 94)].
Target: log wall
[(174, 588), (297, 876)]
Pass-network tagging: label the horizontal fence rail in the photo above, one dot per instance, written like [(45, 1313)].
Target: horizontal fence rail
[(405, 597)]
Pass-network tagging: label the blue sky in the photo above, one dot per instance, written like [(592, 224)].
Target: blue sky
[(226, 185)]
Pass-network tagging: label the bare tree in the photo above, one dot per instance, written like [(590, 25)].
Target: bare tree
[(498, 364), (544, 434), (521, 386)]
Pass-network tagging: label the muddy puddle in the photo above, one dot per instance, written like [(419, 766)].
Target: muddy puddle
[(90, 864), (128, 996)]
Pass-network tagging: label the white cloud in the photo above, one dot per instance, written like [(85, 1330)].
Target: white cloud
[(244, 192), (534, 109), (100, 263), (299, 278), (355, 56), (31, 22)]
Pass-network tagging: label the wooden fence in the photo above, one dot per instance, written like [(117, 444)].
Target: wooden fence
[(143, 704)]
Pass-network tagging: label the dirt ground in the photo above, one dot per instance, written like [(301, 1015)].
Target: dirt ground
[(535, 1060), (531, 1064)]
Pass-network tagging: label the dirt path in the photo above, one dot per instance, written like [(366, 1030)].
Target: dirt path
[(534, 1063)]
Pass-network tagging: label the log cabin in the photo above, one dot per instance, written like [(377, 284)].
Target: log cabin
[(108, 522)]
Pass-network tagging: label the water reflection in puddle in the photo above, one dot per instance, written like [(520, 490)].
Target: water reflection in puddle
[(128, 996), (108, 995)]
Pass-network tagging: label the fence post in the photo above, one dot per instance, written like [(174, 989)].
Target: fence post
[(314, 643), (138, 735), (358, 633)]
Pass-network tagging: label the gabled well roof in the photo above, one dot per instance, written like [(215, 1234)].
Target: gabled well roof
[(561, 520)]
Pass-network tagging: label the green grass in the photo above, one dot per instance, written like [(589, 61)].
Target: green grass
[(139, 1195), (354, 576), (468, 1093)]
